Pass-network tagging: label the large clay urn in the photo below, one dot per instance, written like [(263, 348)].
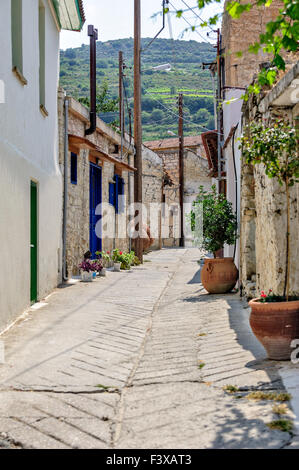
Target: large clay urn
[(275, 324), (219, 275)]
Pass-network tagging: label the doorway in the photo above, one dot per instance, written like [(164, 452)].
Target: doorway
[(95, 199), (33, 242)]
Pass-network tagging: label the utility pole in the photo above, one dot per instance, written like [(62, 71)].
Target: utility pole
[(219, 152), (138, 128), (181, 164), (121, 101), (121, 93)]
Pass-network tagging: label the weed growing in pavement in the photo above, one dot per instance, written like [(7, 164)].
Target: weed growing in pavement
[(230, 388), (284, 425), (280, 409), (273, 396)]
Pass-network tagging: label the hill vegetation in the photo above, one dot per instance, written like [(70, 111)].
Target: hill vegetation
[(159, 87)]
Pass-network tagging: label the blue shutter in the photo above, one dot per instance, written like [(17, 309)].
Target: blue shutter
[(112, 194), (122, 193), (74, 161), (117, 185)]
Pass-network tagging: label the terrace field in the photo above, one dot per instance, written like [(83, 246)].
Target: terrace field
[(159, 88)]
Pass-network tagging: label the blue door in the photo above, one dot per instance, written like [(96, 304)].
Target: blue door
[(95, 199)]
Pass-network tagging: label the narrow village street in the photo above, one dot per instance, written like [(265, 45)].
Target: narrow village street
[(138, 359)]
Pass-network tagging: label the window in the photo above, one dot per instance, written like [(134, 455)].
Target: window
[(16, 36), (74, 162), (112, 194), (116, 190), (42, 53)]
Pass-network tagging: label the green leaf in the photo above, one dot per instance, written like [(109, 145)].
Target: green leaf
[(254, 48), (271, 76), (279, 62), (235, 9)]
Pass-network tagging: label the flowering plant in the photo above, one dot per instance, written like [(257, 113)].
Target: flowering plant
[(98, 265), (126, 259), (117, 255), (270, 297), (87, 266)]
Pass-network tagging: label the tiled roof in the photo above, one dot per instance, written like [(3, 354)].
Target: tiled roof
[(173, 142)]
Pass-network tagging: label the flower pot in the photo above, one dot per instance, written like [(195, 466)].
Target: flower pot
[(102, 273), (219, 275), (86, 277), (117, 267), (275, 325)]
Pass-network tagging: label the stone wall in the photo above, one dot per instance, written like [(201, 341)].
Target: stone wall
[(264, 212), (109, 142), (152, 192), (237, 35), (196, 173), (77, 242)]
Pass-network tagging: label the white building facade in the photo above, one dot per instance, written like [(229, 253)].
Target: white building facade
[(30, 178)]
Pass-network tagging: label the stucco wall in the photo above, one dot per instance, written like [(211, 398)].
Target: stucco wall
[(28, 151), (232, 154)]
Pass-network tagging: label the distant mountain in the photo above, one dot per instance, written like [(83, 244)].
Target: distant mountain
[(181, 72)]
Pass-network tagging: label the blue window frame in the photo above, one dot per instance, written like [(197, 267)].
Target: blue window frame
[(74, 164)]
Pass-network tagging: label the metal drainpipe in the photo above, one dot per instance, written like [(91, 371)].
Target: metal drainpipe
[(236, 181), (65, 199)]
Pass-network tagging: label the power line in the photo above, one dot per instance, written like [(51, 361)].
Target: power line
[(177, 116), (196, 14), (191, 26)]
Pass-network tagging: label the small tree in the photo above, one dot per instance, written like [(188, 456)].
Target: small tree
[(275, 148), (213, 221), (103, 102)]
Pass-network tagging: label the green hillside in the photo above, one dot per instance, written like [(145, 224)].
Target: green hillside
[(159, 88)]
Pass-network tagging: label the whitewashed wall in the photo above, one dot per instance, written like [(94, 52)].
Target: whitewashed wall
[(28, 151), (232, 117)]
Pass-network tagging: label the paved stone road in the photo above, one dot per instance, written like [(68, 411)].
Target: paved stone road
[(137, 360)]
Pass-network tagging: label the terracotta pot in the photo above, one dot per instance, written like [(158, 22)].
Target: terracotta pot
[(275, 325), (219, 275)]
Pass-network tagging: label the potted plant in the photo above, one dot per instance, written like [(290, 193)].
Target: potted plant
[(214, 224), (87, 269), (274, 318), (98, 267), (104, 257), (117, 259), (127, 260)]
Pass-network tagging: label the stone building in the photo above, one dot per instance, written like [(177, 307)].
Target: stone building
[(196, 173), (263, 201), (30, 179), (99, 173), (236, 74), (237, 35)]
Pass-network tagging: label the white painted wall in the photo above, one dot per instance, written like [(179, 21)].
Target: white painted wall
[(28, 151), (232, 117)]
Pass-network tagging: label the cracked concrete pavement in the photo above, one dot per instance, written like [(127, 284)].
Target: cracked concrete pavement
[(138, 360)]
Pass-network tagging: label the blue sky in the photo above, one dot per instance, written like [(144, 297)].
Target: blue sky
[(114, 20)]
